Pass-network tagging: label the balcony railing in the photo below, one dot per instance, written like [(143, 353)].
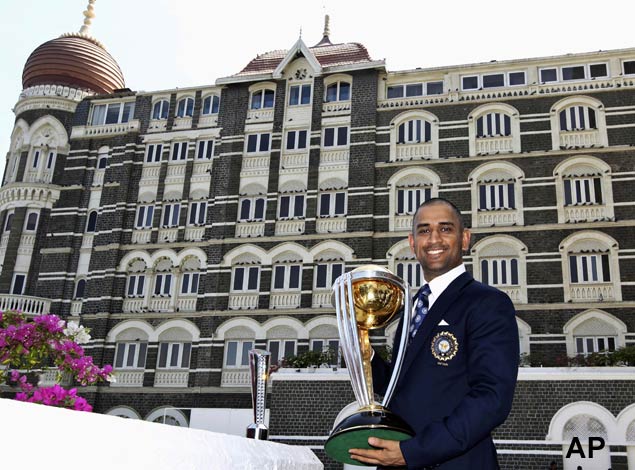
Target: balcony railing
[(186, 304), (182, 123), (596, 292), (403, 222), (336, 108), (128, 378), (106, 129), (290, 161), (134, 304), (284, 300), (330, 225), (419, 151), (290, 227), (250, 229), (25, 304), (586, 138), (235, 378), (98, 177), (34, 176), (255, 116), (141, 236), (194, 233), (589, 213), (168, 234), (514, 293), (241, 301), (489, 145), (171, 378), (208, 121), (158, 125), (27, 241), (149, 174), (334, 157), (76, 307), (322, 298), (161, 304), (176, 170), (253, 165), (497, 217)]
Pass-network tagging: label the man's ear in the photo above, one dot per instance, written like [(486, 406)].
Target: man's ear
[(465, 242), (411, 241)]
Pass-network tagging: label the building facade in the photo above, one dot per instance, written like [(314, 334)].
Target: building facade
[(187, 226)]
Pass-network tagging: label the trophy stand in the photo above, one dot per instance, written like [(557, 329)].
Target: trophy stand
[(259, 369), (368, 298)]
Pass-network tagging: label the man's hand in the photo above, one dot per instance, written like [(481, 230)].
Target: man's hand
[(387, 453)]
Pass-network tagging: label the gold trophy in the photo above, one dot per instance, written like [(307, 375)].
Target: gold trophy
[(365, 299)]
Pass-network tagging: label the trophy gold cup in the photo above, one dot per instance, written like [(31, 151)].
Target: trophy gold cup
[(365, 299)]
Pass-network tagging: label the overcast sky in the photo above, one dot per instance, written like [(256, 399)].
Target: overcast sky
[(161, 44)]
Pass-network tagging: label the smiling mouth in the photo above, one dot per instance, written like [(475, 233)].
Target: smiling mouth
[(435, 252)]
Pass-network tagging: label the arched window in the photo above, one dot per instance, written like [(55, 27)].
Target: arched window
[(493, 129), (185, 107), (211, 105), (338, 91), (578, 122), (497, 197), (92, 222), (31, 222), (8, 222), (409, 188), (80, 289), (262, 99), (414, 136), (594, 331), (161, 109)]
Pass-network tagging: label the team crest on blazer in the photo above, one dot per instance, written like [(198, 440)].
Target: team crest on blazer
[(444, 346)]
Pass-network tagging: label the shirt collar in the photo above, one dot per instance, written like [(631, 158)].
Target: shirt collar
[(440, 283)]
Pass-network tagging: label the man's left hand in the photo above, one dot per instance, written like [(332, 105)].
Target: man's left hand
[(386, 453)]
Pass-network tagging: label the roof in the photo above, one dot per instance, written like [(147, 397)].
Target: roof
[(328, 55)]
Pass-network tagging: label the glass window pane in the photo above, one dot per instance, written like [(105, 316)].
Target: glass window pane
[(517, 78), (306, 94), (259, 213), (329, 136), (494, 80), (320, 281), (302, 139), (269, 95), (185, 360), (274, 349), (256, 100), (470, 83), (298, 206), (244, 360), (290, 140), (239, 274), (342, 136), (325, 200), (253, 279), (395, 91), (337, 270), (278, 282), (294, 277), (163, 354), (284, 206), (345, 91), (264, 142), (548, 75), (573, 73), (598, 70), (629, 67), (245, 208), (415, 89), (331, 92), (294, 95), (252, 141), (141, 360), (112, 115), (128, 110), (434, 88), (121, 348), (289, 348), (232, 347), (99, 115), (339, 203)]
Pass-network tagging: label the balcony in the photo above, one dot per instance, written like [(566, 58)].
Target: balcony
[(336, 108), (292, 161), (26, 304), (186, 304), (590, 213), (202, 170), (76, 307), (50, 377), (161, 304), (597, 292), (514, 292), (491, 145), (504, 217), (235, 378), (171, 378), (403, 222), (322, 298), (281, 300), (87, 241), (168, 234), (128, 378), (133, 305), (141, 236), (330, 225), (334, 158), (158, 125), (79, 132), (176, 171), (290, 227), (255, 165), (580, 139), (243, 301), (418, 151), (250, 229), (150, 175), (27, 241), (182, 123), (257, 116), (211, 120), (35, 176), (194, 233)]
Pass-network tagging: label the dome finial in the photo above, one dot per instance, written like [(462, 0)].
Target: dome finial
[(89, 14), (327, 30)]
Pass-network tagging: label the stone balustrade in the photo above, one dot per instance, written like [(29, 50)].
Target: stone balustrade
[(182, 123), (168, 234), (497, 217), (585, 138), (194, 233), (334, 157), (133, 304), (589, 213), (253, 165), (80, 132), (128, 378), (290, 227), (418, 151), (284, 300), (98, 177), (210, 120), (330, 225), (157, 125), (34, 176), (336, 108), (235, 378), (87, 241), (243, 301), (149, 174), (595, 292), (176, 170), (186, 304), (403, 222), (322, 298), (141, 235), (291, 161), (514, 292), (160, 304), (171, 378), (250, 229), (76, 307), (259, 115), (27, 242), (490, 145)]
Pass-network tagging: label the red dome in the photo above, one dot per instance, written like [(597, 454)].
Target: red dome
[(73, 60)]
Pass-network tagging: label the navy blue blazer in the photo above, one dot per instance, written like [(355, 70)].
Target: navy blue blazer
[(457, 381)]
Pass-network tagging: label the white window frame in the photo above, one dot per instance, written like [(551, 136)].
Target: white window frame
[(26, 221), (164, 110), (187, 109), (171, 211), (242, 353), (300, 90), (13, 282), (292, 206), (324, 344), (259, 143), (50, 160), (624, 67), (413, 197), (163, 284), (583, 190), (146, 211), (338, 91), (213, 99), (495, 201), (295, 134), (285, 270), (139, 355), (261, 104), (154, 153), (284, 345), (336, 136), (8, 221), (247, 271), (410, 270), (121, 118), (424, 89), (197, 210), (190, 283), (330, 273), (252, 208), (179, 151), (595, 346), (412, 127), (586, 264), (136, 282), (169, 351), (502, 267), (205, 149), (332, 212)]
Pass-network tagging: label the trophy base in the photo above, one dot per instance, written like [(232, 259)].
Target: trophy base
[(353, 433)]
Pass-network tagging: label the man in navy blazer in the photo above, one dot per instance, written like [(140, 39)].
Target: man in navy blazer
[(459, 374)]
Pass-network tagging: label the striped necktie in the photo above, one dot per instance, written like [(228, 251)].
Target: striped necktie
[(421, 310)]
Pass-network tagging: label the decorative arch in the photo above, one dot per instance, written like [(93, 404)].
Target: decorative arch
[(498, 138), (584, 190), (168, 415), (283, 251), (123, 412), (191, 253), (590, 267), (242, 325), (245, 253), (334, 80), (320, 324), (330, 248), (38, 136), (578, 138), (137, 329), (170, 330), (424, 148), (499, 260), (594, 323), (296, 325), (407, 189), (570, 411), (497, 194)]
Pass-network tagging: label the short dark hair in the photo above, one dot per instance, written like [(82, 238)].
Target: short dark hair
[(439, 200)]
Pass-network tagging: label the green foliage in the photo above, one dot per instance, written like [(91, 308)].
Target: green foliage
[(621, 357), (311, 359)]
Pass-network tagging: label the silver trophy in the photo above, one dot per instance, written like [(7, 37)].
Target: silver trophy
[(365, 299), (259, 369)]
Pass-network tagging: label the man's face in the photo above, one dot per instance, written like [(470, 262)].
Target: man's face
[(437, 240)]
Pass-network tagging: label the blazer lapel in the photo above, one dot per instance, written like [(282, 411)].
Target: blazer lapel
[(432, 319)]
